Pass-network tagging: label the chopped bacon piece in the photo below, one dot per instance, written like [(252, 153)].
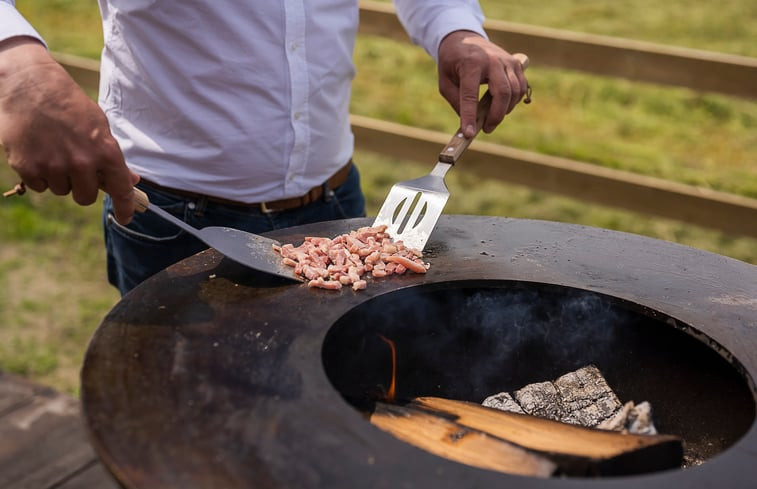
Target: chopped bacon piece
[(373, 258), (388, 248), (325, 284), (359, 285), (408, 263), (379, 272), (345, 260)]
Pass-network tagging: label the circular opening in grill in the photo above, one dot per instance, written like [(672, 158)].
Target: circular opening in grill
[(469, 340)]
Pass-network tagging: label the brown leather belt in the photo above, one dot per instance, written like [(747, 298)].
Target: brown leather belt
[(313, 194)]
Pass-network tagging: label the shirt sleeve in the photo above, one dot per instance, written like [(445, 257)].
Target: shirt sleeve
[(13, 24), (427, 22)]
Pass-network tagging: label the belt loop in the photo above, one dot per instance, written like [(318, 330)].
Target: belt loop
[(200, 205), (327, 192), (265, 209)]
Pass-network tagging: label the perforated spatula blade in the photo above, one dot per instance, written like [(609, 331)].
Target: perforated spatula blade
[(413, 207)]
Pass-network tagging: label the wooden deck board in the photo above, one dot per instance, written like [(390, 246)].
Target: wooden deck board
[(15, 391), (43, 442)]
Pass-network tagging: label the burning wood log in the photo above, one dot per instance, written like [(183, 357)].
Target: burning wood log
[(575, 450), (582, 397), (443, 437)]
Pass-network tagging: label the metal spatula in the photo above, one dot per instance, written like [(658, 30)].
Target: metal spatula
[(251, 250), (413, 207)]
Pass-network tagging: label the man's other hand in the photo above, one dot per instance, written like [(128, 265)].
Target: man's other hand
[(466, 61), (55, 136)]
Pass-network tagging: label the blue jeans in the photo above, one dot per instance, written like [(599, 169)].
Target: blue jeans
[(148, 244)]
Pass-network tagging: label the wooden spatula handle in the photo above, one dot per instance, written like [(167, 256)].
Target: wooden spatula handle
[(140, 200), (460, 143)]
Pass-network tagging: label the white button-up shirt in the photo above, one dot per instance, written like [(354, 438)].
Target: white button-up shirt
[(245, 100)]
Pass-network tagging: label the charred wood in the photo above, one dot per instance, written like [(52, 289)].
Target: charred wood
[(576, 450), (582, 397)]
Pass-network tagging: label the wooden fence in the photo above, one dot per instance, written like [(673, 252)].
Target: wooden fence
[(601, 55), (634, 60)]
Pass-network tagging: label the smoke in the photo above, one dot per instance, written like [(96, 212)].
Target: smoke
[(472, 341), (503, 338)]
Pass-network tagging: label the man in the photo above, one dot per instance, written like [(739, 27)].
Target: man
[(227, 113)]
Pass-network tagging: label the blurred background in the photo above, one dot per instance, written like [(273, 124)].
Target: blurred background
[(53, 290)]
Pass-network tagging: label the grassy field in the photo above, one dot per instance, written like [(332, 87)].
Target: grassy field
[(53, 291)]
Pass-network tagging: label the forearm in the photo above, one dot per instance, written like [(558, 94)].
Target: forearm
[(19, 52), (54, 135)]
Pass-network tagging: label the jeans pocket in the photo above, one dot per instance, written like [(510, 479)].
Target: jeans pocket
[(140, 233), (148, 226), (338, 211), (145, 246)]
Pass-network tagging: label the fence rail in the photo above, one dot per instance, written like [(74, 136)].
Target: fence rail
[(600, 55), (704, 207), (595, 54)]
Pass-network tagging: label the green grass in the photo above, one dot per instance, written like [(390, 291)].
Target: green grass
[(727, 26), (68, 26), (671, 133), (470, 195), (53, 291)]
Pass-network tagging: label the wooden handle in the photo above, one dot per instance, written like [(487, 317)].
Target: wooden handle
[(460, 143), (18, 189), (141, 200)]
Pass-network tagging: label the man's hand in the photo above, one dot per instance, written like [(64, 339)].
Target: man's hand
[(467, 60), (54, 134)]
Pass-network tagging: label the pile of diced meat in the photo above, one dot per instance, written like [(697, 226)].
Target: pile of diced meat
[(332, 263)]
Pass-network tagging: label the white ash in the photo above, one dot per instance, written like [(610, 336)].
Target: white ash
[(581, 397), (540, 399), (617, 422), (504, 402), (640, 420)]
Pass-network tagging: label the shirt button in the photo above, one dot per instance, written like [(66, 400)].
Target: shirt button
[(293, 46), (191, 206), (297, 116)]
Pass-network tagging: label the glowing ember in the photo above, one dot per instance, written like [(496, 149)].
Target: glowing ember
[(390, 393)]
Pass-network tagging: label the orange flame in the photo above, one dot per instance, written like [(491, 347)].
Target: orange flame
[(392, 385)]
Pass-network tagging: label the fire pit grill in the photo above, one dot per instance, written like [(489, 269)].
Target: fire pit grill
[(209, 375), (467, 340)]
